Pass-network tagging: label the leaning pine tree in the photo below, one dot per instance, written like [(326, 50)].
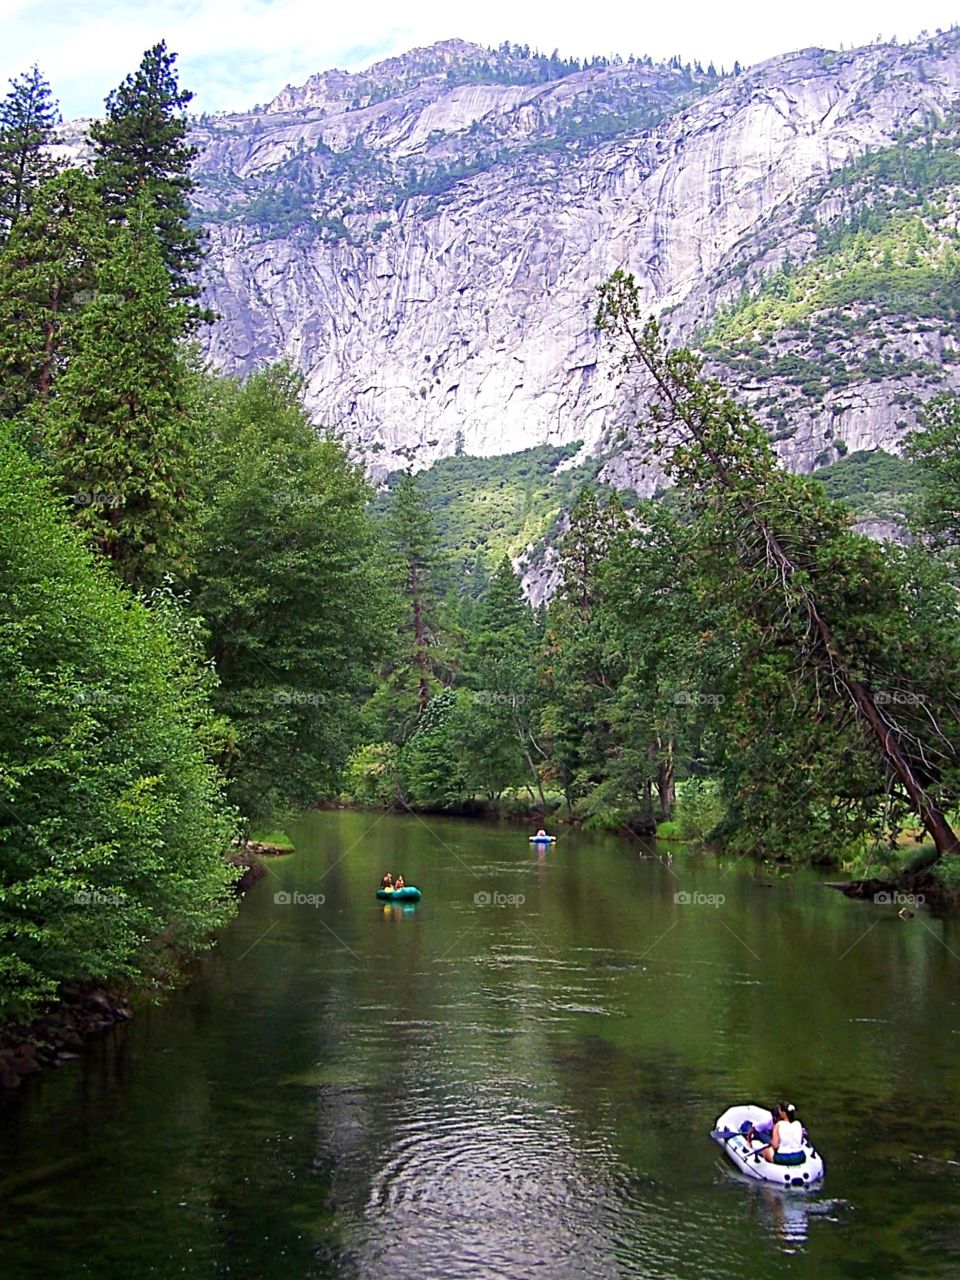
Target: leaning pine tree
[(832, 618)]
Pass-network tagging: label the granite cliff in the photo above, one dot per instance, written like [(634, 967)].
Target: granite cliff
[(424, 240)]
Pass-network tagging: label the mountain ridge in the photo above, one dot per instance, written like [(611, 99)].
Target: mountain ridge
[(429, 259)]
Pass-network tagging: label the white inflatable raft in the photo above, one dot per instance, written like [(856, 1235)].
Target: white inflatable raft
[(729, 1133)]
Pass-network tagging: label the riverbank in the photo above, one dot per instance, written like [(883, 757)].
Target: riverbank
[(247, 854), (58, 1035)]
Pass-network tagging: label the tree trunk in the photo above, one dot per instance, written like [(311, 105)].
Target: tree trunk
[(649, 821), (422, 658), (666, 786), (536, 778)]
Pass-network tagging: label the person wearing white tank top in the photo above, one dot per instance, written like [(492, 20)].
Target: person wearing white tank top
[(787, 1138)]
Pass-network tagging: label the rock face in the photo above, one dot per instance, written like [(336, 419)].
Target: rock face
[(424, 241)]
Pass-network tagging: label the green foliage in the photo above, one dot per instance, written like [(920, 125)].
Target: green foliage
[(581, 668), (872, 484), (430, 760), (48, 275), (499, 741), (905, 268), (417, 656), (122, 444), (112, 820), (947, 873), (666, 665), (840, 715), (372, 775), (28, 117), (289, 579), (486, 508), (669, 830), (141, 152)]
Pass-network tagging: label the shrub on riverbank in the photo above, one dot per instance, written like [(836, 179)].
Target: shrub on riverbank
[(112, 820), (699, 808)]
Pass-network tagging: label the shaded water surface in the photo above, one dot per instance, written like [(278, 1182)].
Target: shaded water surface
[(514, 1078)]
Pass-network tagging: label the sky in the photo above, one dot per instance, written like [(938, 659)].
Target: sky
[(235, 54)]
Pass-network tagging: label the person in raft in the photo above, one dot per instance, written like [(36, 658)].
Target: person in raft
[(387, 881), (786, 1141), (541, 834), (398, 883)]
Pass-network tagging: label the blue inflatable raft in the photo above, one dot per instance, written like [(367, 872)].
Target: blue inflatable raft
[(407, 894)]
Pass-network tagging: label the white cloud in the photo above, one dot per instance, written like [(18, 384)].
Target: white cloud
[(234, 53)]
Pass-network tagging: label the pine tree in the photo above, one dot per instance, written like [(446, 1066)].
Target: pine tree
[(118, 429), (141, 148), (500, 740), (585, 544), (28, 116), (579, 677), (414, 537), (291, 584), (47, 278)]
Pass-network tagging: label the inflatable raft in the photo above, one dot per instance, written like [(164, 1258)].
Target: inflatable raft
[(542, 839), (803, 1170), (407, 894)]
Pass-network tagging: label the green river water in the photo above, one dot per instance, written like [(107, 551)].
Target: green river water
[(517, 1084)]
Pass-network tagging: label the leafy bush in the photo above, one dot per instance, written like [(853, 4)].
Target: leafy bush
[(113, 825), (372, 775), (429, 760), (699, 808)]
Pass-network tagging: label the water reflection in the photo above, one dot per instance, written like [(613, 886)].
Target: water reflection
[(783, 1216), (517, 1078)]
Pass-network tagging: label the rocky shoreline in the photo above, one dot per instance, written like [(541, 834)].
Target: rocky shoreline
[(246, 858), (59, 1035)]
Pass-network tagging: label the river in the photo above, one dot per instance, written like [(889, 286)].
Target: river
[(514, 1078)]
